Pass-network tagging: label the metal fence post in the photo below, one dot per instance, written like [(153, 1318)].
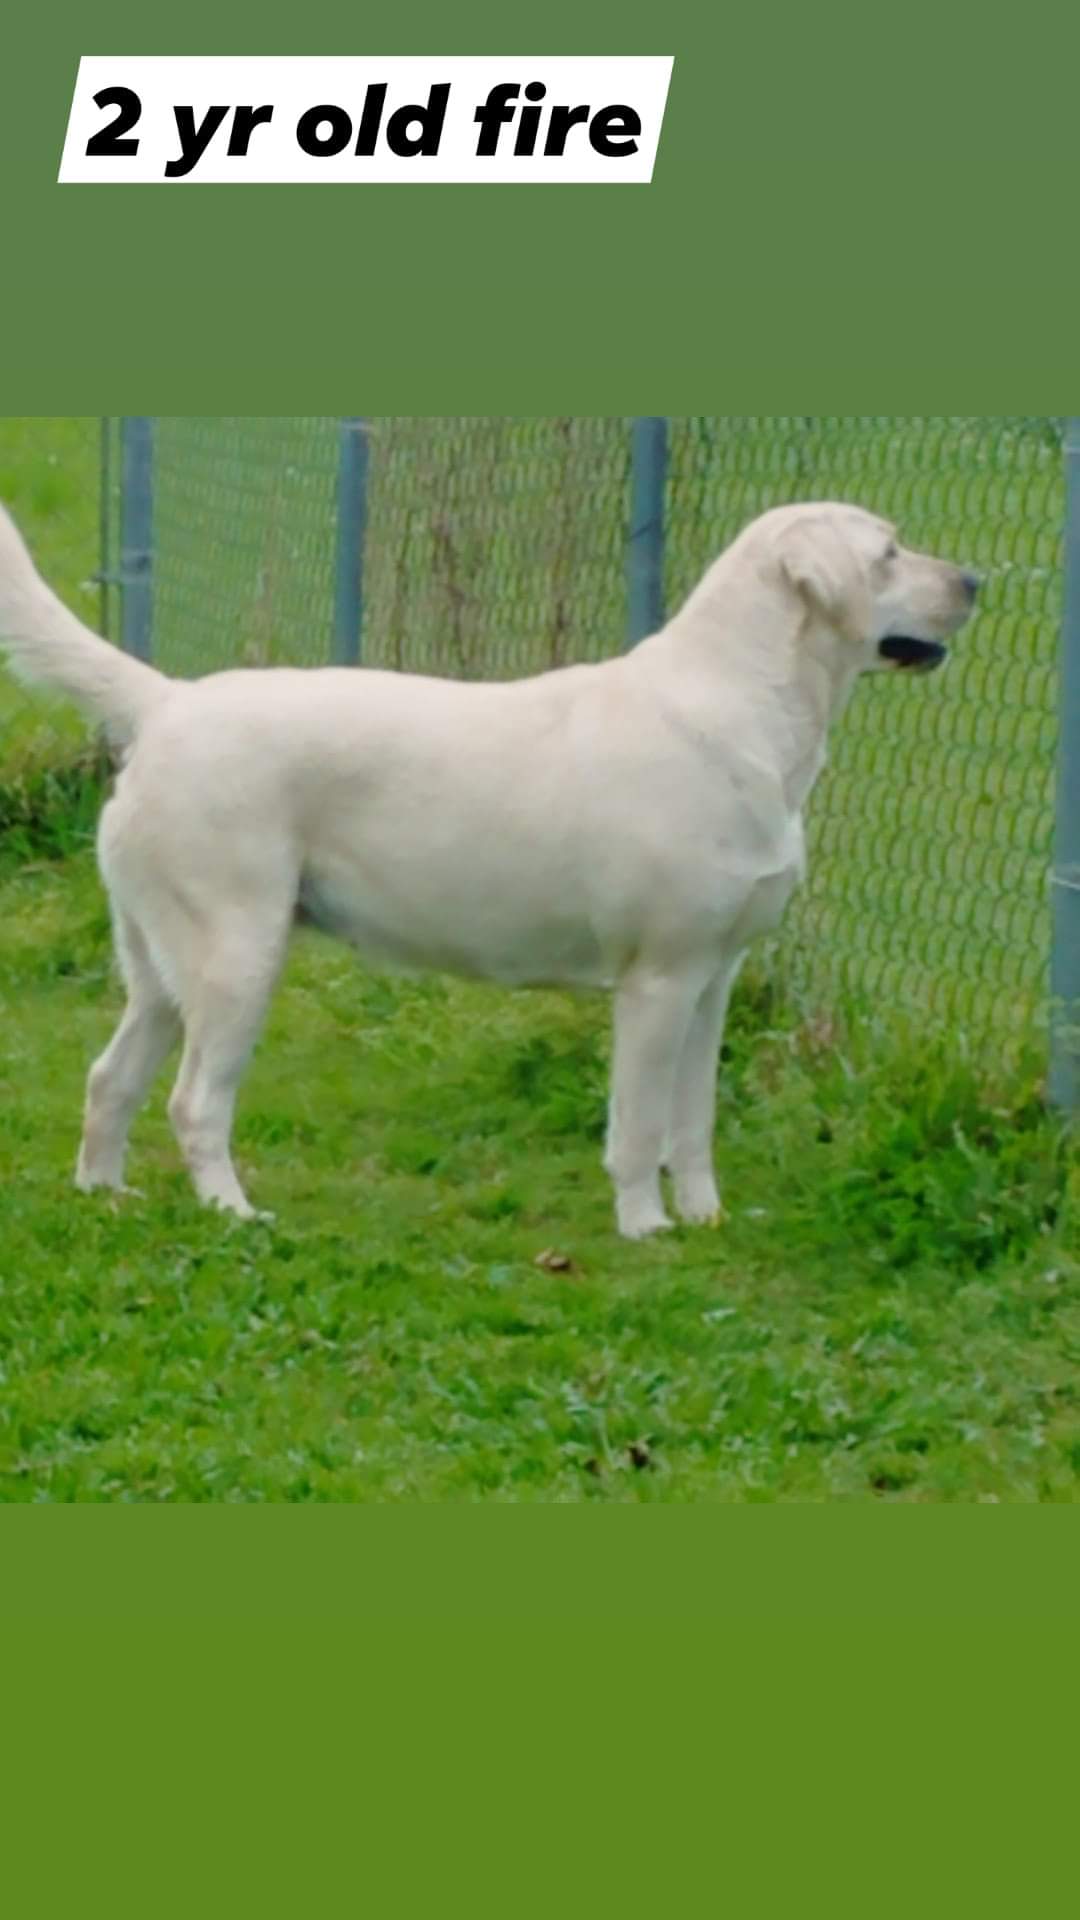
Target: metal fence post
[(136, 533), (351, 521), (104, 575), (1064, 1079), (645, 551)]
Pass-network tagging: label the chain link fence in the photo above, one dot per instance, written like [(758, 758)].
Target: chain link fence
[(495, 547), (930, 832), (498, 546), (244, 540)]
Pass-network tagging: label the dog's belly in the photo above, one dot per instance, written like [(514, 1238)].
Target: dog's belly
[(530, 911), (496, 947)]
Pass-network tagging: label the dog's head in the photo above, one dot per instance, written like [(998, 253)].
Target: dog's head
[(879, 604)]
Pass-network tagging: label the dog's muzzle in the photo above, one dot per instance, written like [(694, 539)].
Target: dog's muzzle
[(913, 656)]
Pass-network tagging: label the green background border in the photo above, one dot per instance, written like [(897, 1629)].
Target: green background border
[(849, 206), (707, 1567), (412, 1712)]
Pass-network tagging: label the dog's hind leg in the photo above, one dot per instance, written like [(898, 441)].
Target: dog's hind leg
[(120, 1079), (223, 1003)]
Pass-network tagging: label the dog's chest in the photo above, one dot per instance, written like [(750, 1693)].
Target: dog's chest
[(768, 895)]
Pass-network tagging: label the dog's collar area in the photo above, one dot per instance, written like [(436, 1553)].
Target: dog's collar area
[(915, 656)]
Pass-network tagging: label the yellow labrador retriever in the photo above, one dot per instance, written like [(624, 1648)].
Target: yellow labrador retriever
[(631, 825)]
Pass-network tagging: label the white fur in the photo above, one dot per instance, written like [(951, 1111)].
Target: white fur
[(630, 825)]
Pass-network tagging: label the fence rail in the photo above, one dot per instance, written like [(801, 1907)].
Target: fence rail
[(499, 546)]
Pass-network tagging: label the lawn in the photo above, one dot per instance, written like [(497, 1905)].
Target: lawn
[(441, 1309), (892, 1311)]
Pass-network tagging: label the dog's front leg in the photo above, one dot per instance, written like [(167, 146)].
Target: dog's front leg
[(653, 1012), (688, 1153)]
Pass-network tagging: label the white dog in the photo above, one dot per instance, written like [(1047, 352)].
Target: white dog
[(632, 824)]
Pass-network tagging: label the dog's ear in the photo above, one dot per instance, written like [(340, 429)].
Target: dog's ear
[(819, 563)]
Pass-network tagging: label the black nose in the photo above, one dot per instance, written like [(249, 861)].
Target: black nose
[(972, 583)]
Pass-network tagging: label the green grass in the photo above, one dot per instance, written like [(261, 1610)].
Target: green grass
[(891, 1313)]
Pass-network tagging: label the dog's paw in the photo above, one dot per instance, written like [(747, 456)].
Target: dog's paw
[(93, 1183), (698, 1203), (703, 1215), (637, 1222), (241, 1210), (717, 1218)]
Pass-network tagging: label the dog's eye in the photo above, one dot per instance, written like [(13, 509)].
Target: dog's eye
[(892, 551)]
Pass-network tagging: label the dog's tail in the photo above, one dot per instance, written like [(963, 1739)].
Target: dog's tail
[(47, 646)]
